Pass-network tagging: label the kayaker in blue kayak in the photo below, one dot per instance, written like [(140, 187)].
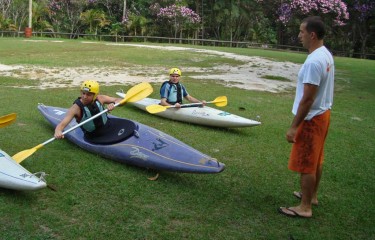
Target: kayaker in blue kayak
[(87, 105), (172, 92)]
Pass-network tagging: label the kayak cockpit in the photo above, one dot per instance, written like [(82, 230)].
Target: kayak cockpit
[(115, 131)]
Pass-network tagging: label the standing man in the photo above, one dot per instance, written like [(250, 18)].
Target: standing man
[(312, 104)]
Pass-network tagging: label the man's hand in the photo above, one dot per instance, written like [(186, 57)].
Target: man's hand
[(58, 134), (110, 106), (291, 135), (203, 103)]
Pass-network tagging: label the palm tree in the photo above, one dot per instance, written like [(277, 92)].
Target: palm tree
[(95, 19)]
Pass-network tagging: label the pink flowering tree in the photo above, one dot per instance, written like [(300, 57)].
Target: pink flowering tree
[(65, 15), (289, 14), (335, 8), (179, 17)]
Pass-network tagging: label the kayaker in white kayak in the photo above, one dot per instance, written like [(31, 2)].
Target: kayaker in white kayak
[(89, 104), (172, 92)]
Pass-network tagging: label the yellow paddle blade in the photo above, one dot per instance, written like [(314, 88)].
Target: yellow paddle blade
[(155, 108), (7, 119), (220, 101), (7, 123), (19, 157), (138, 92)]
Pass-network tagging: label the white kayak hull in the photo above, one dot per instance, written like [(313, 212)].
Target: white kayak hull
[(14, 176), (197, 115)]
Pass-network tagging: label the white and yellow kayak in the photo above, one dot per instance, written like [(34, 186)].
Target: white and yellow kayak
[(14, 176), (197, 115)]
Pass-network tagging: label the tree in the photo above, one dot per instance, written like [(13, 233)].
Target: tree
[(237, 21), (264, 21), (180, 17), (363, 13), (113, 8), (18, 13), (116, 28), (337, 8), (5, 6), (39, 13), (288, 14), (137, 22), (95, 19), (65, 14)]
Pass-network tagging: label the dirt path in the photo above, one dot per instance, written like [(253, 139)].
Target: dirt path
[(250, 75)]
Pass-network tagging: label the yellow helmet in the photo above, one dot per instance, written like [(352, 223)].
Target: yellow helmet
[(91, 86), (175, 71)]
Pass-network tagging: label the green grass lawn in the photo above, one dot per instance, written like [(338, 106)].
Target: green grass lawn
[(97, 198)]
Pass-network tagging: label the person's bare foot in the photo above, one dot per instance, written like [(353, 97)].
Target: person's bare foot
[(294, 212), (299, 196)]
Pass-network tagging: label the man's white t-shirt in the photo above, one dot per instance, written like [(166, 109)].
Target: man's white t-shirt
[(319, 70)]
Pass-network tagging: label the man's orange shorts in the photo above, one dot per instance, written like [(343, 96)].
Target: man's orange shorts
[(308, 150)]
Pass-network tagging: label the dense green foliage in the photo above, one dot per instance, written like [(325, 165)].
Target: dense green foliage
[(96, 198), (351, 22)]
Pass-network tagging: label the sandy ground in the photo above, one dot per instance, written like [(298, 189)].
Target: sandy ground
[(249, 75)]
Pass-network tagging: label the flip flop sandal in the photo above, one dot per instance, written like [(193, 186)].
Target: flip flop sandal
[(291, 213)]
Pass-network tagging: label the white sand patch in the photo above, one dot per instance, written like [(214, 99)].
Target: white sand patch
[(32, 40), (250, 75), (6, 68), (70, 77), (356, 119)]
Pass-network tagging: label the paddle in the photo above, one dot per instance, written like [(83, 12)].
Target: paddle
[(134, 94), (7, 119), (156, 108)]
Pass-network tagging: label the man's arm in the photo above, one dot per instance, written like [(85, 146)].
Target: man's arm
[(110, 101), (192, 99), (164, 102), (72, 112), (309, 93)]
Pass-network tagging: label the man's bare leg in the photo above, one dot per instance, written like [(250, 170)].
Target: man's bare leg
[(308, 184)]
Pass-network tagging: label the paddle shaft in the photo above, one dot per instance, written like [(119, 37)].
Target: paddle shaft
[(189, 105), (156, 108)]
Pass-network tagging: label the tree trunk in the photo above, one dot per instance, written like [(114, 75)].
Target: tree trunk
[(363, 47), (124, 11), (30, 13), (180, 36)]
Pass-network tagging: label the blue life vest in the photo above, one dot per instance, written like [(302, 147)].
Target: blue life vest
[(175, 92), (89, 111)]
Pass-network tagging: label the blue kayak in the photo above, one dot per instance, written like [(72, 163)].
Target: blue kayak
[(136, 144)]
